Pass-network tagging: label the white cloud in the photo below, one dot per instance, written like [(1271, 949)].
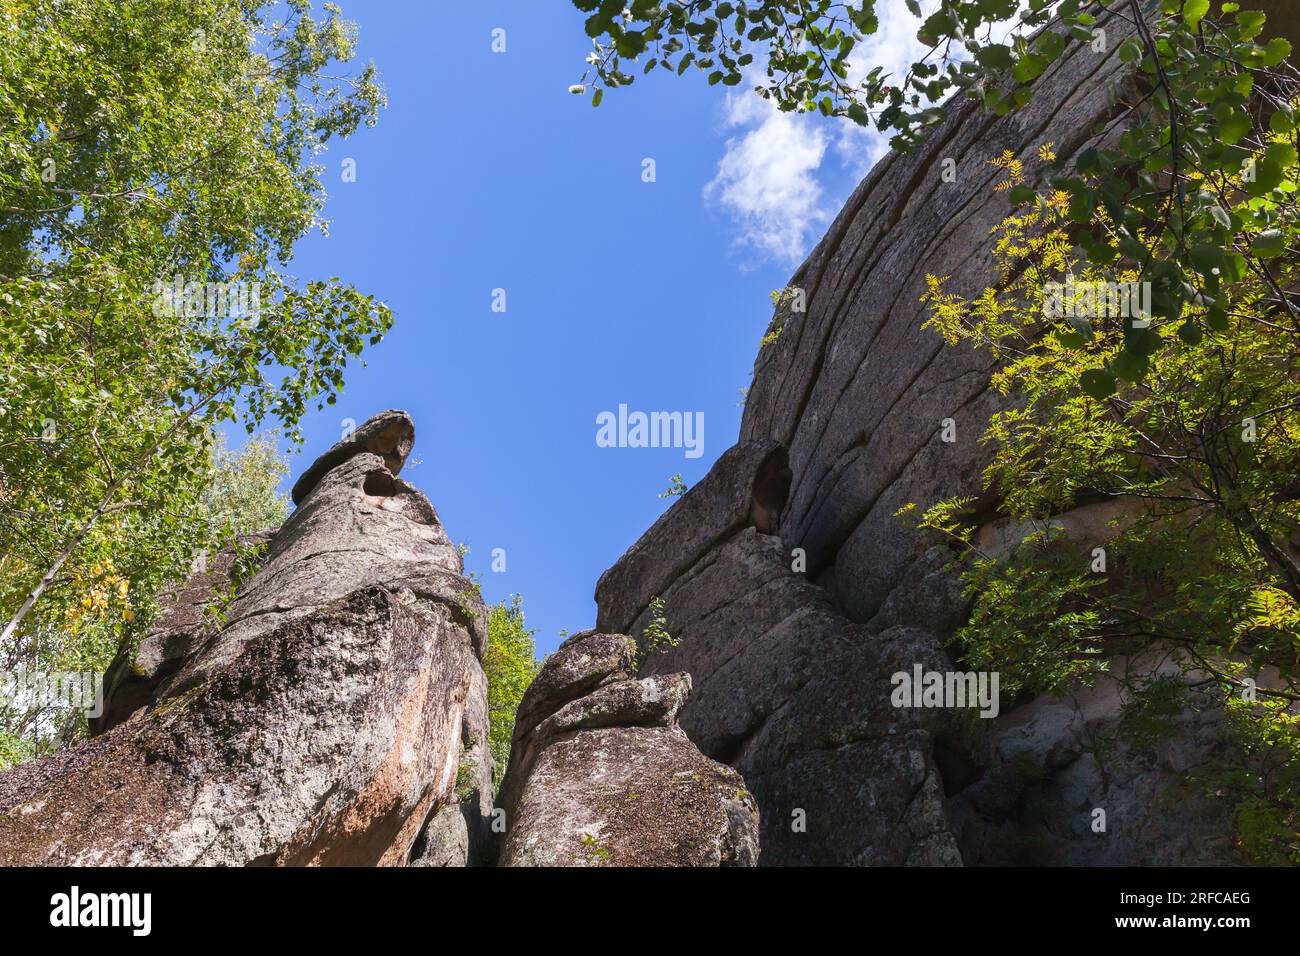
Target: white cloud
[(768, 178), (894, 47)]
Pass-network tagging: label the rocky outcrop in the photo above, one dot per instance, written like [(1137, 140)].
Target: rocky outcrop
[(747, 486), (792, 629), (390, 434), (1056, 771), (796, 696), (185, 617), (334, 712), (602, 775), (853, 387), (336, 716)]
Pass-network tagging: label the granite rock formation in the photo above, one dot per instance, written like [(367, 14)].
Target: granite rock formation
[(795, 593), (335, 712), (336, 716), (601, 774)]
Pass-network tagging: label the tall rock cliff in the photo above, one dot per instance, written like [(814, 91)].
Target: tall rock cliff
[(795, 593)]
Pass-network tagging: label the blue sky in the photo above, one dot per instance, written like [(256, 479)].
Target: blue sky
[(484, 173)]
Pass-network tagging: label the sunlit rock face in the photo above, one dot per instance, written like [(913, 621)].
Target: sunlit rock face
[(336, 716)]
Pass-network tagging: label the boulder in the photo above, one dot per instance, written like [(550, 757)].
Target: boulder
[(601, 774), (590, 660)]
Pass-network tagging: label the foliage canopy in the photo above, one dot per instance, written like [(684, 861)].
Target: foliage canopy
[(511, 664), (159, 167)]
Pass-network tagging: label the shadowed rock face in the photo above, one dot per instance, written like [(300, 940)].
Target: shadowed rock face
[(183, 622), (796, 697), (601, 775), (792, 629), (1045, 778), (337, 717)]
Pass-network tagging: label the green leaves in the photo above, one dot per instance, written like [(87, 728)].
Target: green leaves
[(1194, 11), (1269, 244), (1050, 44), (244, 494), (109, 397), (1131, 365), (1273, 53), (1269, 171), (995, 56), (1199, 198), (510, 663), (810, 48), (1029, 67), (1235, 126), (1098, 383)]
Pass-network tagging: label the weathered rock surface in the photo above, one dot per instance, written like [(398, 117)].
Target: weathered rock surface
[(854, 387), (796, 695), (797, 698), (457, 834), (339, 709), (791, 629), (1056, 761), (601, 774), (390, 435), (359, 527), (748, 486), (184, 620)]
